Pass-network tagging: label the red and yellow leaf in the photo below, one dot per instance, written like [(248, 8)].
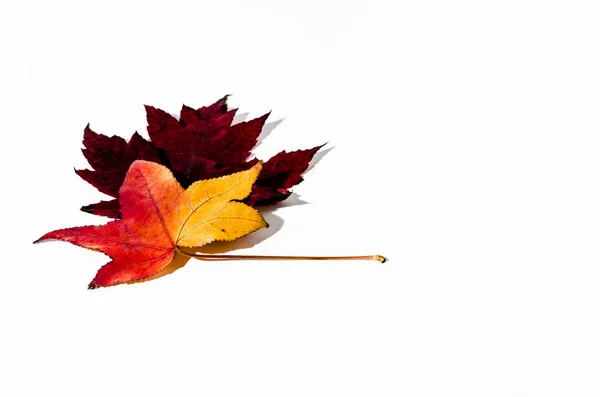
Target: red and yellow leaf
[(158, 215)]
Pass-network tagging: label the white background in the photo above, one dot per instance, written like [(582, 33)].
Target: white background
[(466, 148)]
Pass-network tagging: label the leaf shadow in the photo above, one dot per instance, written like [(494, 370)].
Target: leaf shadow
[(293, 200), (318, 157), (177, 263), (239, 117), (220, 247), (268, 129), (275, 224)]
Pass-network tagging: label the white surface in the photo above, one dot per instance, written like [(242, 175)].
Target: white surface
[(466, 141)]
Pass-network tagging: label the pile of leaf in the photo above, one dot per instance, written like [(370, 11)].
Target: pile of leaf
[(202, 144)]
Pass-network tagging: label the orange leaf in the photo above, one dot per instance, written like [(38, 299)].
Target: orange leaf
[(158, 215)]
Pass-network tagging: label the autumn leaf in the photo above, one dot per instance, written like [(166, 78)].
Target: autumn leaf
[(158, 216), (110, 158), (279, 174), (201, 144)]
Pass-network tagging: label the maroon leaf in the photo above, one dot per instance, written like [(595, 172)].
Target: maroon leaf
[(100, 150), (201, 144), (109, 208), (280, 173), (265, 195), (217, 108), (235, 145), (110, 158), (107, 182), (140, 149), (203, 140)]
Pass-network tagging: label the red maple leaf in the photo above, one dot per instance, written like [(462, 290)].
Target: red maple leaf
[(202, 144), (279, 174), (158, 216), (110, 158)]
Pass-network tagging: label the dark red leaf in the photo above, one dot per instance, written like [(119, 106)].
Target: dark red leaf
[(140, 149), (197, 141), (111, 157), (265, 195), (280, 173), (217, 108), (164, 129), (100, 150), (109, 208), (235, 145), (108, 182), (202, 144)]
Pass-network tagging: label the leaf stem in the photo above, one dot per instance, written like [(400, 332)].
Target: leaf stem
[(379, 258)]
